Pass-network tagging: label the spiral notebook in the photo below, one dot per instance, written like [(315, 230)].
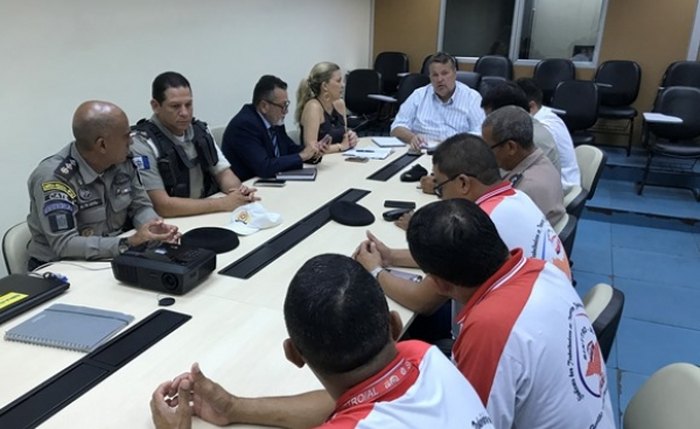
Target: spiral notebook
[(70, 327)]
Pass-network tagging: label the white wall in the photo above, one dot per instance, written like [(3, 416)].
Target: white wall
[(56, 54)]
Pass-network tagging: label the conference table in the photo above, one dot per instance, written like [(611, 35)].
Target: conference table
[(237, 325)]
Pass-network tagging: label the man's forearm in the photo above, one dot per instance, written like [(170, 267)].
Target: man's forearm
[(420, 298), (402, 258), (305, 410), (175, 206), (403, 134)]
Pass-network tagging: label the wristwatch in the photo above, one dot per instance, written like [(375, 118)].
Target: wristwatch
[(375, 272), (123, 245)]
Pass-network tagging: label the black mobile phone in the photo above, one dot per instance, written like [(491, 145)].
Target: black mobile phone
[(356, 159), (394, 214), (270, 182), (400, 204)]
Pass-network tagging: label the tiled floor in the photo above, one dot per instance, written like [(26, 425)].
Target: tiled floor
[(655, 261)]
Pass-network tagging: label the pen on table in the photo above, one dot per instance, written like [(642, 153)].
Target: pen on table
[(364, 150)]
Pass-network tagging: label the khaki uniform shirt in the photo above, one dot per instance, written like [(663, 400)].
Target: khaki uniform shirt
[(146, 156), (537, 177), (76, 213)]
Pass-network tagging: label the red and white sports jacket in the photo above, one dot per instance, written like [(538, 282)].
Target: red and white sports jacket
[(521, 224), (421, 388), (527, 346)]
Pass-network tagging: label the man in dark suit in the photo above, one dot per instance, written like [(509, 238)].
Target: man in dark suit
[(255, 141)]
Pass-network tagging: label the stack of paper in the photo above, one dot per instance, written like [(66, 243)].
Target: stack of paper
[(371, 153), (387, 142)]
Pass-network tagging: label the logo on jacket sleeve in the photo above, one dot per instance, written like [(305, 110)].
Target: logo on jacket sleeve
[(585, 360)]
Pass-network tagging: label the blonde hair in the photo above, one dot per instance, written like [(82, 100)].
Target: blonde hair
[(311, 86)]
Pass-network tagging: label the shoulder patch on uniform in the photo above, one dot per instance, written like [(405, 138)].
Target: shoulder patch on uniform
[(52, 206), (61, 221), (58, 186), (141, 162), (67, 168)]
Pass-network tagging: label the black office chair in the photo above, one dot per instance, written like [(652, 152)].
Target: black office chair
[(604, 305), (682, 73), (549, 72), (494, 65), (579, 100), (408, 84), (389, 65), (488, 82), (359, 84), (618, 86), (471, 79), (675, 140)]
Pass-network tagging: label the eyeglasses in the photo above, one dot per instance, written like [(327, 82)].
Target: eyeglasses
[(284, 106), (502, 142), (438, 188)]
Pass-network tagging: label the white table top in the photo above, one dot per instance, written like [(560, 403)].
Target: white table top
[(237, 327)]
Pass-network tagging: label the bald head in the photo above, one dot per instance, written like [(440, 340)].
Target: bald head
[(94, 119)]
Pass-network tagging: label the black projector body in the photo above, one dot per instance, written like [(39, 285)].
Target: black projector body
[(166, 268)]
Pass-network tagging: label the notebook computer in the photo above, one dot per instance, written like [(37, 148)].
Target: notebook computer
[(22, 292)]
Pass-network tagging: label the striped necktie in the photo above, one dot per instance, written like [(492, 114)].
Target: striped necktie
[(273, 136)]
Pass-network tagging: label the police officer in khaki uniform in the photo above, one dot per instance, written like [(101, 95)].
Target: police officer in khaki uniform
[(90, 192), (179, 162), (509, 132)]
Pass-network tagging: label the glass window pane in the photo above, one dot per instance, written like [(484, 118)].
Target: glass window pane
[(473, 28), (560, 29)]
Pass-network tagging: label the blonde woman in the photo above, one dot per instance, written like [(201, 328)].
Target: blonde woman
[(321, 109)]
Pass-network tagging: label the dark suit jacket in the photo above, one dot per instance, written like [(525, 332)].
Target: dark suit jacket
[(248, 147)]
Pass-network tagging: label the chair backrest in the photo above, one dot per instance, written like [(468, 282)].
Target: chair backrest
[(604, 304), (575, 200), (409, 84), (549, 72), (669, 399), (218, 133), (566, 230), (680, 101), (14, 248), (488, 82), (494, 65), (591, 163), (358, 84), (389, 65), (471, 79), (579, 98), (624, 78), (682, 73)]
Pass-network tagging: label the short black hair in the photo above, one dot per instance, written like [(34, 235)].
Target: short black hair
[(456, 241), (532, 91), (442, 58), (511, 123), (506, 93), (466, 153), (336, 314), (265, 87), (167, 80)]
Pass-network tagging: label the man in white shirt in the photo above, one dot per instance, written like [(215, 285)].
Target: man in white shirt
[(570, 174), (442, 109)]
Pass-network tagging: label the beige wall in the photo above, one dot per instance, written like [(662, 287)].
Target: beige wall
[(650, 32)]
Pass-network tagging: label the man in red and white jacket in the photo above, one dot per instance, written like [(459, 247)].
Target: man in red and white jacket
[(465, 167), (340, 325), (526, 344)]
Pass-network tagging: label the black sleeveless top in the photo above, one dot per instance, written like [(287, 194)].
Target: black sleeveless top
[(334, 125)]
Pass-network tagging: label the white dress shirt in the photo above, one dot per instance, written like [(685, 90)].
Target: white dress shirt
[(425, 114), (570, 174)]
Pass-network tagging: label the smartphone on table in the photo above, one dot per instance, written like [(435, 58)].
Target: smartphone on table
[(277, 183)]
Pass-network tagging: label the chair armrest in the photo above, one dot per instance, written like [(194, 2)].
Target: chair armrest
[(382, 97), (660, 118), (604, 85), (403, 74)]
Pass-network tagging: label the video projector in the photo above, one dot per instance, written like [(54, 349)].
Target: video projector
[(164, 267)]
